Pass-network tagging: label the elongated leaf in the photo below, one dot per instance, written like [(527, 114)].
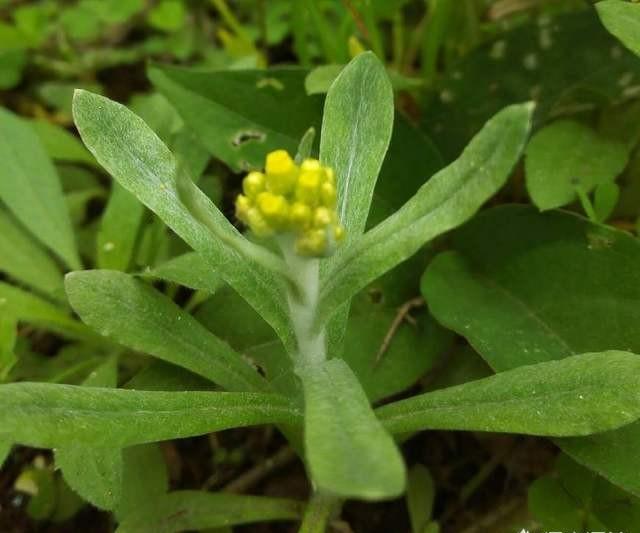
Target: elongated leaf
[(356, 130), (24, 260), (240, 115), (136, 315), (348, 451), (30, 187), (420, 497), (119, 229), (525, 287), (27, 307), (194, 510), (5, 449), (622, 19), (579, 395), (143, 165), (48, 416), (447, 200), (8, 336), (189, 270), (565, 155)]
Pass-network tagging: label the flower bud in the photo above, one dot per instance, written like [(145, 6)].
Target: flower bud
[(274, 208), (253, 184), (281, 172)]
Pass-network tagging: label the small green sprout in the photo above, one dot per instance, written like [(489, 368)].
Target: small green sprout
[(289, 198)]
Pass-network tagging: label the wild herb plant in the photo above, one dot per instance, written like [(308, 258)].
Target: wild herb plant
[(306, 255)]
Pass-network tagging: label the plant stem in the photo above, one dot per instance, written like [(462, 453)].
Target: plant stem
[(318, 513)]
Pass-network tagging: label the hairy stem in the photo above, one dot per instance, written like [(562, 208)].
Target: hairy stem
[(318, 513)]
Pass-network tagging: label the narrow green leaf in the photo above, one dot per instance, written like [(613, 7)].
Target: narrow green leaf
[(188, 270), (136, 315), (195, 510), (61, 145), (356, 130), (119, 228), (5, 450), (24, 260), (622, 19), (447, 200), (30, 187), (143, 165), (579, 395), (349, 453), (27, 307), (44, 415), (566, 155)]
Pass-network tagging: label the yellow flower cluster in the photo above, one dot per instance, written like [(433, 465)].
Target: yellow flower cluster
[(291, 198)]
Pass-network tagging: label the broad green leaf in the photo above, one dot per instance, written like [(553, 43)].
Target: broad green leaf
[(12, 63), (579, 395), (420, 497), (188, 270), (240, 115), (356, 130), (135, 156), (605, 199), (168, 15), (565, 155), (348, 452), (573, 497), (24, 260), (538, 60), (61, 145), (447, 200), (119, 228), (622, 19), (8, 336), (44, 415), (196, 510), (136, 315), (27, 307), (30, 188), (526, 287)]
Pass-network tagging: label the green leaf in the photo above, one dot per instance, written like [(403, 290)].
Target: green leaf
[(136, 315), (145, 479), (447, 200), (5, 450), (239, 114), (579, 395), (27, 307), (61, 145), (135, 156), (119, 229), (168, 15), (188, 270), (356, 130), (349, 453), (622, 19), (566, 155), (535, 60), (44, 415), (30, 187), (12, 63), (526, 287), (194, 510), (420, 497), (24, 260)]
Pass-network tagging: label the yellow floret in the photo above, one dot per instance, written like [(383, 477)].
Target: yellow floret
[(322, 217), (338, 233), (253, 184), (258, 224), (282, 172), (274, 208), (300, 215), (312, 243), (328, 195), (243, 204)]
